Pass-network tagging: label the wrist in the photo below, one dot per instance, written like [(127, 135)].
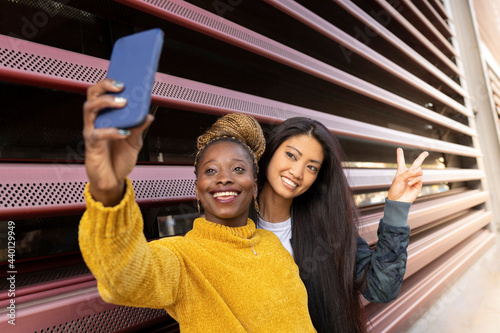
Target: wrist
[(109, 196)]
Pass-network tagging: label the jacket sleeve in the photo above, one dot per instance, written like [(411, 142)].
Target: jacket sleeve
[(385, 266), (129, 270)]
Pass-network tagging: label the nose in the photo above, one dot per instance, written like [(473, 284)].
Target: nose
[(297, 172), (224, 177)]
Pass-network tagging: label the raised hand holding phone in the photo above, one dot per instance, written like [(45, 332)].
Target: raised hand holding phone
[(110, 153), (134, 61)]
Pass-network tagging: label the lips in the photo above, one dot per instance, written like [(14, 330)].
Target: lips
[(289, 182), (225, 194)]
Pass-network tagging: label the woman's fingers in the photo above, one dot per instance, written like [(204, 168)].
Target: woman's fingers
[(415, 180), (401, 160), (95, 136), (420, 159), (92, 107), (102, 87), (408, 175)]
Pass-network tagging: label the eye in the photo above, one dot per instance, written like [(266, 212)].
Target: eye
[(239, 169), (291, 155), (312, 168), (210, 171)]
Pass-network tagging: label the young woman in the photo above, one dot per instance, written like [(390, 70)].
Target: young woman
[(304, 198), (223, 275)]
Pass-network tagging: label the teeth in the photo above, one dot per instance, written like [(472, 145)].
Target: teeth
[(289, 182), (224, 194)]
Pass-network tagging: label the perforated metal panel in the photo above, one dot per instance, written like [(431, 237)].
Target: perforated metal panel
[(45, 276), (108, 321), (46, 65), (62, 187), (29, 195), (162, 188)]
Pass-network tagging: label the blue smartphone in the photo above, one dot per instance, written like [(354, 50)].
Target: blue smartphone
[(134, 61)]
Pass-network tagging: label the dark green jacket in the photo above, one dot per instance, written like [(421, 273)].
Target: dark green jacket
[(385, 266)]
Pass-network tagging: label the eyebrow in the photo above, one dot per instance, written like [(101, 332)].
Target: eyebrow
[(298, 151), (233, 160)]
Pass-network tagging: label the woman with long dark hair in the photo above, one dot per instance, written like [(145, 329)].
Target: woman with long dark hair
[(305, 199)]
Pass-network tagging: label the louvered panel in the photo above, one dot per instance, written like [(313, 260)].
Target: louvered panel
[(424, 287), (438, 5), (197, 19), (427, 212), (383, 32), (418, 35), (38, 190), (363, 179), (495, 88), (324, 27), (449, 229), (422, 23), (56, 69), (439, 240), (434, 16), (80, 309)]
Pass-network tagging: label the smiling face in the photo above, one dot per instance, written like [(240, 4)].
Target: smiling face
[(294, 166), (226, 184)]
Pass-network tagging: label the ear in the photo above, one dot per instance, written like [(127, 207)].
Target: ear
[(196, 188)]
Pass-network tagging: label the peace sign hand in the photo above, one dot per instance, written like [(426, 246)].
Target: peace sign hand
[(407, 183)]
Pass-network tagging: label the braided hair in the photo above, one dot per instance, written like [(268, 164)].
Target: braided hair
[(235, 127)]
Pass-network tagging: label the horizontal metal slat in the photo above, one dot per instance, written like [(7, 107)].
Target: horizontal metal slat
[(48, 295), (422, 213), (419, 36), (200, 20), (46, 286), (383, 32), (329, 30), (37, 190), (365, 179), (78, 308), (71, 71), (423, 251)]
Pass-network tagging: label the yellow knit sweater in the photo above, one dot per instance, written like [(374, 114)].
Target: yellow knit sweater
[(209, 280)]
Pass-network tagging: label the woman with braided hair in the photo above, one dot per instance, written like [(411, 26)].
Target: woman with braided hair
[(223, 275)]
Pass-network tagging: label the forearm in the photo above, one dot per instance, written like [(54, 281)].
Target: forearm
[(386, 265), (126, 266)]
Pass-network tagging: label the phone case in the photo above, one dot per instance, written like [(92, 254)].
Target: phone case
[(134, 61)]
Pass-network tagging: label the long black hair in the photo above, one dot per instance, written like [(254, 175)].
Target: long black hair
[(324, 234)]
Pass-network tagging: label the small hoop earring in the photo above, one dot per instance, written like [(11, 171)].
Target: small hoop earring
[(256, 204)]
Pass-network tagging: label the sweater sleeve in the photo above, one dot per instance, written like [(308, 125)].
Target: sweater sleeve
[(129, 270), (385, 266)]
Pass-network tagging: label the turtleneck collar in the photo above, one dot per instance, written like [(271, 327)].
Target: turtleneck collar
[(210, 230)]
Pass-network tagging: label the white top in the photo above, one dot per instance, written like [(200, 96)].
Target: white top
[(281, 229)]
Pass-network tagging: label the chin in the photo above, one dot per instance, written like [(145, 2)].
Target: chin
[(286, 194)]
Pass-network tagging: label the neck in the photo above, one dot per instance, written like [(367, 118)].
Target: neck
[(273, 207), (233, 222)]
